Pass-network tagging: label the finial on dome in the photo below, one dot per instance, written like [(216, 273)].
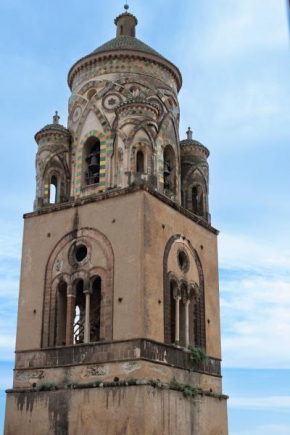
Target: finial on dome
[(189, 134), (56, 118), (126, 6)]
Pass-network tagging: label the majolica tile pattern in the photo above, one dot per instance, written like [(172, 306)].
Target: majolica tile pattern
[(120, 65)]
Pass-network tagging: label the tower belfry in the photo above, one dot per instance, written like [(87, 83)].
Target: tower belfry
[(118, 322)]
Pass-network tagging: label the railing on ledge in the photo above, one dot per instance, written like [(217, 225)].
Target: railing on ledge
[(114, 351)]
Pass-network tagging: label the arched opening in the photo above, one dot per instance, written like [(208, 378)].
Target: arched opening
[(95, 309), (53, 190), (121, 30), (173, 290), (91, 159), (79, 318), (169, 170), (197, 200), (182, 323), (61, 313), (140, 162)]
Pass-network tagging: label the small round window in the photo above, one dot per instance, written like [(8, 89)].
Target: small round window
[(81, 252), (183, 261)]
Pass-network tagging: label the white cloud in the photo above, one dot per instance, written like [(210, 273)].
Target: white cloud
[(244, 253), (255, 303), (256, 323), (244, 28), (271, 403), (7, 347), (267, 429)]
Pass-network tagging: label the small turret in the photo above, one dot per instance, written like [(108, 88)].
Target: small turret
[(52, 164), (195, 176)]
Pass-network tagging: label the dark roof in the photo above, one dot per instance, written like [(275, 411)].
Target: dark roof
[(54, 127), (126, 43), (191, 142), (125, 14)]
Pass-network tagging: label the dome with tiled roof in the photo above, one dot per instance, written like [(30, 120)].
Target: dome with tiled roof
[(55, 127), (125, 41), (189, 142)]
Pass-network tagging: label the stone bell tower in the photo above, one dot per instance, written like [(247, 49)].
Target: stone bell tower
[(118, 322)]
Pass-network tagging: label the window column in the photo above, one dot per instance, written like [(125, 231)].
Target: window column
[(186, 303), (177, 298), (87, 317), (70, 315)]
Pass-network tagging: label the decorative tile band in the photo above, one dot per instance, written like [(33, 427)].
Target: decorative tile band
[(123, 65)]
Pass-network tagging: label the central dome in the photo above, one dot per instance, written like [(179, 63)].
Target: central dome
[(126, 42)]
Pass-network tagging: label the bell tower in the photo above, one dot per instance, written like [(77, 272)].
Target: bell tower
[(118, 322)]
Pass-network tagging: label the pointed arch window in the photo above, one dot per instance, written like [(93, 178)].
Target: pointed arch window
[(197, 200), (140, 162), (53, 190), (91, 161), (169, 170), (95, 309), (79, 318), (61, 313)]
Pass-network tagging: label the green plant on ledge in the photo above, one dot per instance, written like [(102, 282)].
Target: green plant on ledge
[(186, 389), (197, 354), (49, 386)]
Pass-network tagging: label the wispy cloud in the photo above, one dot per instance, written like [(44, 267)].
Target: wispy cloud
[(267, 429), (237, 251), (281, 403), (255, 303)]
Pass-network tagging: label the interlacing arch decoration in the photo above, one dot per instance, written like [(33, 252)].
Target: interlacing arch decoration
[(143, 126), (178, 289), (190, 175), (84, 275), (75, 100)]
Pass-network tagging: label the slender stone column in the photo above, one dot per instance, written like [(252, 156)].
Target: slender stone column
[(177, 303), (70, 316), (187, 302), (87, 318)]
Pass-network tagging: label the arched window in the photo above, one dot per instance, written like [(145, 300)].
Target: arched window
[(173, 289), (61, 313), (53, 190), (169, 169), (79, 320), (140, 162), (182, 318), (95, 309), (197, 200), (91, 159), (122, 30)]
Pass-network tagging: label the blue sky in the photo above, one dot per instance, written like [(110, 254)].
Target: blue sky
[(234, 57)]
